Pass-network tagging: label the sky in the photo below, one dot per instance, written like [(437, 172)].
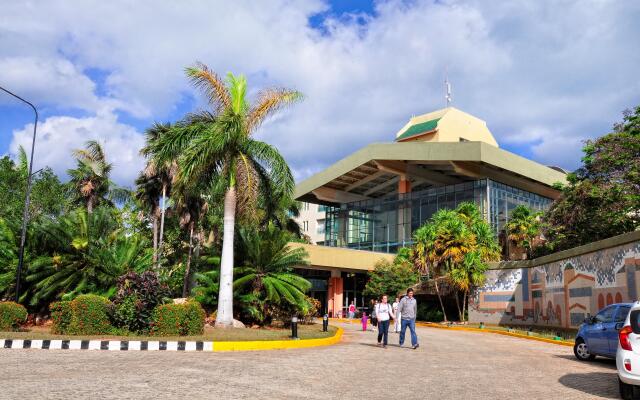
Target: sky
[(545, 75)]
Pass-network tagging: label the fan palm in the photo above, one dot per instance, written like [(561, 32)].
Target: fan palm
[(89, 181), (266, 278), (217, 148), (523, 227), (83, 253)]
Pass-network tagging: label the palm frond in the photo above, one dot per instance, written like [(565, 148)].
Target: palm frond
[(210, 83), (270, 101)]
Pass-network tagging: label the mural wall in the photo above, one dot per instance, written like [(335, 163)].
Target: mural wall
[(559, 293)]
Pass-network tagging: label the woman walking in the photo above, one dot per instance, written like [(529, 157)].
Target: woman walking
[(384, 313)]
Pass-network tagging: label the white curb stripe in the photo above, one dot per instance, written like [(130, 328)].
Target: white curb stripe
[(94, 345), (36, 344)]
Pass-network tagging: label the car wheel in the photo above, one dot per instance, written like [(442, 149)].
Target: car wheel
[(581, 351), (627, 392)]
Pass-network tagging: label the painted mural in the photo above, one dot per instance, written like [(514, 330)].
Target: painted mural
[(561, 293)]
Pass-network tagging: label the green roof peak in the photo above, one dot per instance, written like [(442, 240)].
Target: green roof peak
[(417, 129)]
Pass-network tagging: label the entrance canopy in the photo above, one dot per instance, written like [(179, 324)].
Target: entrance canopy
[(381, 169)]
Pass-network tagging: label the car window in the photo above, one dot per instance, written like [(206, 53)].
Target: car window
[(605, 315), (621, 314)]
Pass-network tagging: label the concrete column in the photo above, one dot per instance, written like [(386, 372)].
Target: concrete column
[(404, 212), (335, 295)]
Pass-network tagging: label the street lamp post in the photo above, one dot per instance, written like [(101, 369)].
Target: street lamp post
[(25, 215)]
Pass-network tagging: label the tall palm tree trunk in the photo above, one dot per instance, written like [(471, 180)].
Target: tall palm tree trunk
[(444, 313), (460, 310), (224, 319), (465, 303), (187, 271), (154, 224), (162, 210)]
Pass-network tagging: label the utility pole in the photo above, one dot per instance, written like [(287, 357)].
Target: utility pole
[(25, 215)]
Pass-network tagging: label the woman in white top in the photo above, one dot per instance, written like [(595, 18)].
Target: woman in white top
[(384, 312), (396, 319)]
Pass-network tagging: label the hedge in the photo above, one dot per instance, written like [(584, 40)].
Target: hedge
[(178, 319), (90, 315), (12, 315), (61, 316), (87, 314)]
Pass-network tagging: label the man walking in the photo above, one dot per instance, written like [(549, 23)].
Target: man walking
[(408, 309)]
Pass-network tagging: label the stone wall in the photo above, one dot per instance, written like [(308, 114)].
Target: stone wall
[(560, 289)]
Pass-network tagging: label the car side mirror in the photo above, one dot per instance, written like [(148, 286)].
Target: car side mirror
[(587, 321)]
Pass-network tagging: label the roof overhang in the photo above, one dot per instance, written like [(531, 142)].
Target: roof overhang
[(337, 258), (374, 171)]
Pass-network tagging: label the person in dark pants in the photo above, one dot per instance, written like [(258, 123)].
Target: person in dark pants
[(408, 308), (384, 312)]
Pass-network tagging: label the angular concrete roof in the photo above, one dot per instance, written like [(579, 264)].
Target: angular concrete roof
[(374, 170), (446, 125)]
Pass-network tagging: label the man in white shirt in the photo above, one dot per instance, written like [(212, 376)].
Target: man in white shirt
[(384, 313)]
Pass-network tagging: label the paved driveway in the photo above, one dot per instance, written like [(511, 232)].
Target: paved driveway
[(448, 365)]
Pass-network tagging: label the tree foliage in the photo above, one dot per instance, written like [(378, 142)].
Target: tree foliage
[(391, 278), (602, 198)]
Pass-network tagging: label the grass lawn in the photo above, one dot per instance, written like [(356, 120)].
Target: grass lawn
[(210, 334)]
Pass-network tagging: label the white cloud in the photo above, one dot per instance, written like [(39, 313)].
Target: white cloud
[(58, 136), (541, 73)]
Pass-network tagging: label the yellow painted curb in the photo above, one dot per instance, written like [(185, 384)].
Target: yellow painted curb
[(496, 331), (277, 344)]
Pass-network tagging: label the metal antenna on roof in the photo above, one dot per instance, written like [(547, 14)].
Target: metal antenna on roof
[(447, 90)]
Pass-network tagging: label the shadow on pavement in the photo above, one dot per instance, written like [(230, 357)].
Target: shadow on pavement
[(605, 362), (604, 384)]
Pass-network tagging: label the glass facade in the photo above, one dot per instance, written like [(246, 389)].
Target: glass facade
[(386, 224)]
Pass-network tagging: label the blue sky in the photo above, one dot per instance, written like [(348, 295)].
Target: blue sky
[(545, 75)]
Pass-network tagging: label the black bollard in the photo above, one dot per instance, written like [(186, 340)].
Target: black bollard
[(325, 323), (294, 328)]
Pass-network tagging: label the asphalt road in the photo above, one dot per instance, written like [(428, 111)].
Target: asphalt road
[(448, 365)]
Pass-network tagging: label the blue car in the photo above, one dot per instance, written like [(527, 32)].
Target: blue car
[(598, 335)]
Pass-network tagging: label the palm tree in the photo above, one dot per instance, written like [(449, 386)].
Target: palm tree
[(190, 207), (163, 169), (148, 190), (217, 148), (523, 227), (83, 253), (89, 183), (266, 278), (469, 272), (440, 245)]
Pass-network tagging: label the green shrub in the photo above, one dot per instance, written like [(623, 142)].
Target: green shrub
[(178, 319), (90, 315), (12, 315), (429, 313), (61, 315)]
